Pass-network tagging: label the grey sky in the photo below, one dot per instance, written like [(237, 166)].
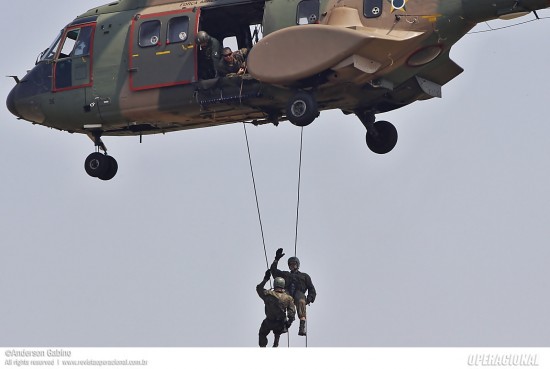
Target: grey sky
[(442, 242)]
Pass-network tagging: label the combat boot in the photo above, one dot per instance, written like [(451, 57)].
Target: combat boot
[(302, 329)]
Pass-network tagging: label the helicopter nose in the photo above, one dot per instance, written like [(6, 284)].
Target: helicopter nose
[(10, 102), (25, 103)]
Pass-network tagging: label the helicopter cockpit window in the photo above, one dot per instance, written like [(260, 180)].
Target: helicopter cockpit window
[(77, 42), (72, 68), (69, 43), (83, 42), (308, 12), (178, 29), (49, 53), (149, 33)]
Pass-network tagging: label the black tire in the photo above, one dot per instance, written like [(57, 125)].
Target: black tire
[(302, 109), (111, 171), (383, 138), (96, 164)]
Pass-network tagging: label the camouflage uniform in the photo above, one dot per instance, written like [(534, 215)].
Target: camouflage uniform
[(209, 58), (279, 309), (297, 284), (239, 61)]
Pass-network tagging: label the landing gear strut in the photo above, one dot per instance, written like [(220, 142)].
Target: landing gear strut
[(100, 165), (381, 136)]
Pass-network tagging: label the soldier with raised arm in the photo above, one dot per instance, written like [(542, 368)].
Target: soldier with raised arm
[(297, 285)]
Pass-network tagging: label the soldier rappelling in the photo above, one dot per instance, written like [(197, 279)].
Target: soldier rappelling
[(297, 284), (280, 311)]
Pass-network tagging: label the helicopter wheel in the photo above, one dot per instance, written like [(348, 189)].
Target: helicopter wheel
[(302, 109), (101, 166), (382, 137), (113, 169)]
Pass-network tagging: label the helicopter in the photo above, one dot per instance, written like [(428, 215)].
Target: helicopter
[(132, 67)]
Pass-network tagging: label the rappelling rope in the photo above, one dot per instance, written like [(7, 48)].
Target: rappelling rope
[(256, 195), (298, 205), (256, 192), (258, 204), (298, 202), (298, 196)]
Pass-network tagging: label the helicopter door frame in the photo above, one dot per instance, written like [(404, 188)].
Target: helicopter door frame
[(162, 49), (77, 65)]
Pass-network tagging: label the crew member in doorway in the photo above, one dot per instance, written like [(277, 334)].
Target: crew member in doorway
[(280, 311), (209, 55), (297, 284), (233, 62)]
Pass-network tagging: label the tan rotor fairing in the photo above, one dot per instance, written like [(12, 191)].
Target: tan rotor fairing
[(342, 40)]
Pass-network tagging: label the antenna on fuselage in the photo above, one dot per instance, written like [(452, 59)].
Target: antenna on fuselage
[(17, 80)]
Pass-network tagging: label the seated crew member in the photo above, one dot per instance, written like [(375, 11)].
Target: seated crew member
[(233, 62)]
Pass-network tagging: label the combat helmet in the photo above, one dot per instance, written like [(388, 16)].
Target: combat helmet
[(279, 282), (294, 259), (202, 37)]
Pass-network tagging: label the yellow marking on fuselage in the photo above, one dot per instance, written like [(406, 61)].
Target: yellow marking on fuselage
[(431, 18)]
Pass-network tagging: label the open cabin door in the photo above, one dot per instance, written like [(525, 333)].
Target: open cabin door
[(162, 49)]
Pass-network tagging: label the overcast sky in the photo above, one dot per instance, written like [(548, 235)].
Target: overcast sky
[(442, 242)]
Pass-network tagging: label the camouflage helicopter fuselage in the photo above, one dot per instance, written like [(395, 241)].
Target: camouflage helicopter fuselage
[(138, 72)]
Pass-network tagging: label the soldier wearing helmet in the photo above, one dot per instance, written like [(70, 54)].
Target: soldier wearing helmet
[(209, 55), (297, 284), (279, 310)]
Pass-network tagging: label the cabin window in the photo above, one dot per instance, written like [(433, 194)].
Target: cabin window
[(308, 12), (372, 8), (178, 29), (149, 33)]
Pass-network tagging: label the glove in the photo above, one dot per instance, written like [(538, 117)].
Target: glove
[(309, 299), (288, 323), (267, 275), (279, 254)]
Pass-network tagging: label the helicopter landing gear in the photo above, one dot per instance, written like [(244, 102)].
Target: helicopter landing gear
[(100, 165), (302, 109), (381, 136)]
